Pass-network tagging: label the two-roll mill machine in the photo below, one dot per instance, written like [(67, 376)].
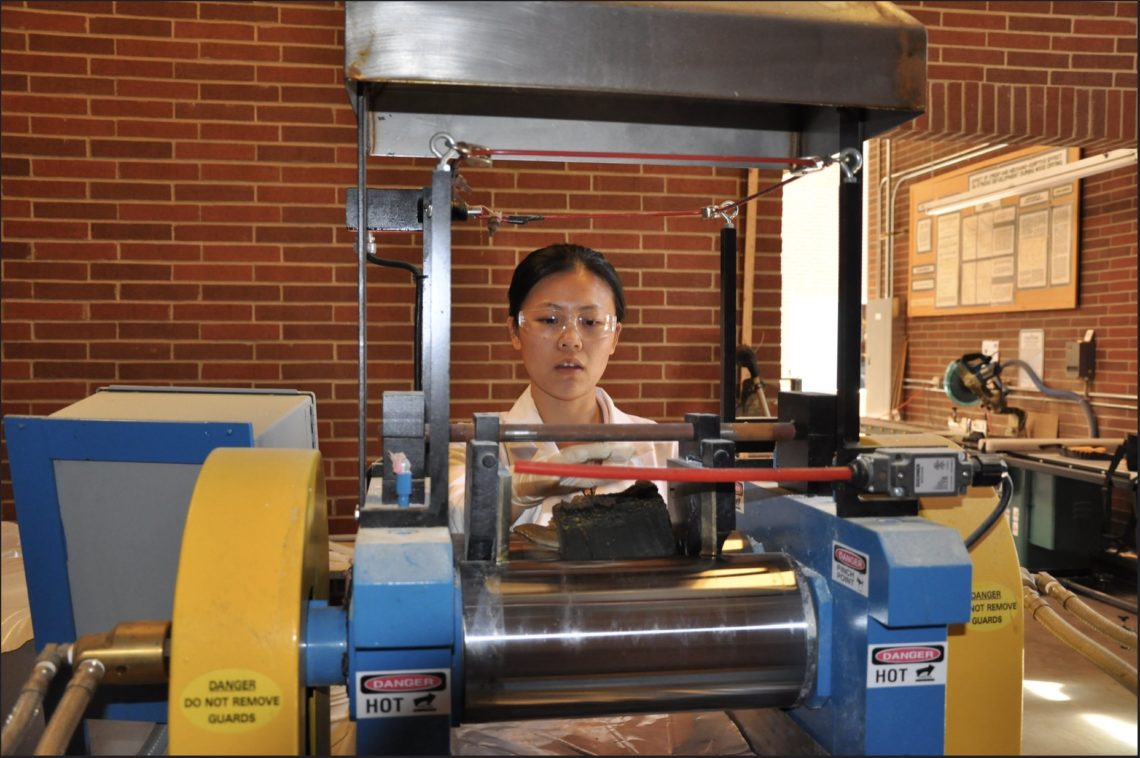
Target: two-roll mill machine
[(851, 593)]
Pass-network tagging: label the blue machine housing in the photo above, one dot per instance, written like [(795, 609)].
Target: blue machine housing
[(917, 576), (405, 628), (404, 621)]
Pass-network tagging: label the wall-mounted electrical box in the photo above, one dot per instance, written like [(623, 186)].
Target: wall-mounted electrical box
[(1080, 357)]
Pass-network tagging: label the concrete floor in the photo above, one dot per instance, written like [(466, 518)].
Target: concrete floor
[(1070, 706)]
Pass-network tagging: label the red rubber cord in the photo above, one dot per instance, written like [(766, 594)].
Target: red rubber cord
[(484, 152)]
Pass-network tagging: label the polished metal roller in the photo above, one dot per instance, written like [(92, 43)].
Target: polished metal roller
[(548, 640)]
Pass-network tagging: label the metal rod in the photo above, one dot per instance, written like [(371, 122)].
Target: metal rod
[(80, 690), (362, 290), (674, 432), (999, 444), (902, 176), (685, 474), (728, 370), (545, 640), (31, 696)]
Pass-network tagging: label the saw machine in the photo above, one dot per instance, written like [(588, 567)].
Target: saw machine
[(863, 590)]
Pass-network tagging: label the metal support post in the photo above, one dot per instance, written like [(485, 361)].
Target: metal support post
[(728, 371), (362, 291), (481, 508), (437, 327), (850, 264), (719, 453)]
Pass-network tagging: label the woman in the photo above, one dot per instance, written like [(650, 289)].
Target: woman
[(566, 311)]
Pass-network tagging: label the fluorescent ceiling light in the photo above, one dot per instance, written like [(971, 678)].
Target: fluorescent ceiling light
[(1044, 180)]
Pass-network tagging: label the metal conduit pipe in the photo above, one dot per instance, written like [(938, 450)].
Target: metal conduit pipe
[(889, 209), (884, 274), (1096, 653), (549, 640), (31, 696), (1047, 585), (80, 690), (1021, 393)]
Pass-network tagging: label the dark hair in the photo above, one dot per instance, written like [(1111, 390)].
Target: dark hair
[(554, 259)]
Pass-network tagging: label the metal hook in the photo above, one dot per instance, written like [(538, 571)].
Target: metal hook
[(710, 211), (850, 161), (734, 210), (447, 157), (466, 154), (818, 164)]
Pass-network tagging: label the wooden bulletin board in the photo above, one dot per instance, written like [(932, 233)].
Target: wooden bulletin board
[(1016, 254)]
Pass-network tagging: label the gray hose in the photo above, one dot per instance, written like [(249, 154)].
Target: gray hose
[(155, 743), (1115, 602), (1094, 429)]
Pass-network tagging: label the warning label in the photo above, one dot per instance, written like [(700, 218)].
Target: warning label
[(392, 694), (231, 700), (992, 606), (850, 567), (914, 664)]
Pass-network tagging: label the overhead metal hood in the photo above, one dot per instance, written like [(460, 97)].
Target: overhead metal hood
[(723, 78)]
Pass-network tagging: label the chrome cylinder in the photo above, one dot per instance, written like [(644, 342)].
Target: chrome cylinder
[(551, 640)]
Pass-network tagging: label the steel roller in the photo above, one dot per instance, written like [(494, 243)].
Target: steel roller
[(546, 640)]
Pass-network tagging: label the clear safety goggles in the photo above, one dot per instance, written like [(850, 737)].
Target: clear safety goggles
[(549, 323)]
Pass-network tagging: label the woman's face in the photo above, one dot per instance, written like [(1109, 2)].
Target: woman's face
[(565, 364)]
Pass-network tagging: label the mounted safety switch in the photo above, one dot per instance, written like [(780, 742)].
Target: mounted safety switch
[(922, 471), (1080, 358)]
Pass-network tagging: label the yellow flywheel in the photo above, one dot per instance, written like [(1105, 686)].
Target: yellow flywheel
[(254, 552)]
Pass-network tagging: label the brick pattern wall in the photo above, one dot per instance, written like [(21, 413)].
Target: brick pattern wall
[(1055, 73), (1029, 72), (174, 181), (1107, 303), (173, 194)]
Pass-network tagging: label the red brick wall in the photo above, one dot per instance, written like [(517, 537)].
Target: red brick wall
[(1059, 73), (1028, 72), (1032, 72), (174, 183), (173, 203), (1107, 303)]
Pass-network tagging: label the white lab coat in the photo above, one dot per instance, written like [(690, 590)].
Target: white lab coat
[(524, 411)]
